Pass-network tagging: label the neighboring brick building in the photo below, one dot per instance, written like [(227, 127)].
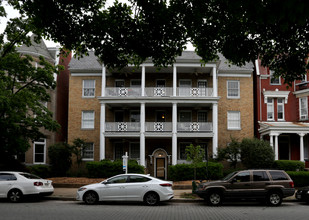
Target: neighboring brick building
[(38, 153), (282, 115), (153, 114)]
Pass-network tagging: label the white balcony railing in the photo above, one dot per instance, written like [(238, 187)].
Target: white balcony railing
[(157, 92), (122, 126), (194, 126), (158, 126)]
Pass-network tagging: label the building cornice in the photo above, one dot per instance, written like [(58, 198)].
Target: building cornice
[(276, 94)]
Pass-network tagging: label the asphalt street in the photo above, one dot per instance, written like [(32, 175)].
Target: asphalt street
[(58, 210)]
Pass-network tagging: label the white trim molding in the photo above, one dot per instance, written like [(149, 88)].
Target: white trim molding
[(276, 94)]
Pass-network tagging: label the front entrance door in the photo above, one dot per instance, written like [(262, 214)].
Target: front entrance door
[(160, 170)]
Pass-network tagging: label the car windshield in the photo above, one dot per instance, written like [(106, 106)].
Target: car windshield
[(30, 176), (227, 177)]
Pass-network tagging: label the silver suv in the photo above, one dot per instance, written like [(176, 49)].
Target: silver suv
[(267, 185)]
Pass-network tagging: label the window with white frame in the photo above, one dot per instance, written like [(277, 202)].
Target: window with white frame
[(233, 120), (233, 89), (119, 83), (134, 150), (39, 151), (182, 150), (280, 109), (270, 109), (273, 79), (88, 119), (88, 151), (89, 88), (303, 108)]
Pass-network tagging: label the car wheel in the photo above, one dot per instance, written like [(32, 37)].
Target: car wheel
[(274, 198), (151, 198), (214, 198), (15, 195), (91, 197)]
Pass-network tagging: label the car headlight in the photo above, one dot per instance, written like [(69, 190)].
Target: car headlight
[(82, 189)]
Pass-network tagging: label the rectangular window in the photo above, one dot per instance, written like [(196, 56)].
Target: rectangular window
[(270, 109), (233, 90), (88, 88), (118, 150), (202, 116), (185, 116), (303, 108), (135, 83), (280, 109), (274, 80), (134, 116), (88, 152), (134, 150), (88, 119), (233, 120), (119, 83), (39, 148), (182, 150)]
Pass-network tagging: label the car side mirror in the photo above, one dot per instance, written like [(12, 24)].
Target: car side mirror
[(105, 182)]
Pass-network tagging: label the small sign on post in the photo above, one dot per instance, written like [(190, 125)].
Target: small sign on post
[(125, 163)]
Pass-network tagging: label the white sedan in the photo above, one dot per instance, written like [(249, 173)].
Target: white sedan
[(127, 187), (16, 185)]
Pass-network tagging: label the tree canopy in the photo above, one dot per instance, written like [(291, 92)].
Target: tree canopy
[(275, 31), (24, 90)]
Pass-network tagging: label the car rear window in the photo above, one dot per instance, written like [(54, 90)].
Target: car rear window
[(7, 177), (278, 175), (30, 176), (139, 179)]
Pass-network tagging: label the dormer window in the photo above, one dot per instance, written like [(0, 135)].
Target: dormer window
[(273, 79)]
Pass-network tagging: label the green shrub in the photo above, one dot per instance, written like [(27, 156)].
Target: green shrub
[(289, 165), (60, 159), (186, 171), (42, 171), (256, 153), (300, 178), (107, 168)]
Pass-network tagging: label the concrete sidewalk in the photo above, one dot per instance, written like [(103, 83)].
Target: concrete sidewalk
[(69, 194)]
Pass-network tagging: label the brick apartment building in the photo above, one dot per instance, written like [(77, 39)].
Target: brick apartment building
[(38, 153), (153, 114), (282, 114)]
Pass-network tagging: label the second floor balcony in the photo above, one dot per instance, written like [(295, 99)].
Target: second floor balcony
[(158, 127), (158, 92)]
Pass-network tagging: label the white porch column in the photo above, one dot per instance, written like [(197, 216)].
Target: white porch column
[(102, 132), (301, 135), (214, 82), (215, 129), (276, 147), (271, 141), (142, 136), (174, 137), (143, 81), (103, 80), (174, 81)]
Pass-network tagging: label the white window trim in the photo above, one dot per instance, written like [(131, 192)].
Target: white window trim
[(227, 89), (228, 121), (90, 159), (87, 88), (272, 109), (120, 80), (271, 76), (83, 120), (42, 143), (300, 109), (283, 112)]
